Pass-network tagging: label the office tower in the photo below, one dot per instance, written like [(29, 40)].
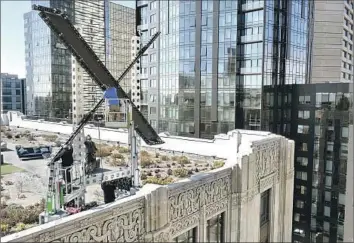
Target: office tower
[(205, 74), (48, 66), (90, 21), (317, 118), (120, 28), (13, 93), (332, 44)]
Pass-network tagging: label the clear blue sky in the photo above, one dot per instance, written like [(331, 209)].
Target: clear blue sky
[(12, 34)]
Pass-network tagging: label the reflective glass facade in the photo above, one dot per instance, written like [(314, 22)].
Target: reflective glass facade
[(317, 118), (119, 30), (214, 57), (48, 66)]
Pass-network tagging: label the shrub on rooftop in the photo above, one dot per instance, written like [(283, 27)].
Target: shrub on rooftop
[(218, 164), (145, 161), (158, 181), (183, 160), (180, 172)]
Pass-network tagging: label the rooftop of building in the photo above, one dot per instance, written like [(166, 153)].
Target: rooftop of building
[(223, 146)]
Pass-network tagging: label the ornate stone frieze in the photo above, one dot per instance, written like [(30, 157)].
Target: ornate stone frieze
[(215, 208), (127, 227), (267, 158), (183, 224), (266, 182), (189, 201)]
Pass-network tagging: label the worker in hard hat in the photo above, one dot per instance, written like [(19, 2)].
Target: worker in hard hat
[(91, 150)]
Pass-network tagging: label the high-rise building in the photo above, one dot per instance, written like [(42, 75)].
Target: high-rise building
[(332, 41), (120, 28), (90, 21), (317, 118), (48, 65), (205, 74), (56, 83), (13, 93)]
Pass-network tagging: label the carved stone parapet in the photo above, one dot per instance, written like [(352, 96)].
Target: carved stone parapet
[(121, 226)]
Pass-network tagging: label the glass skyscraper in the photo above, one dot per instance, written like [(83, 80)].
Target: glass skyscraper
[(107, 27), (48, 66), (205, 74)]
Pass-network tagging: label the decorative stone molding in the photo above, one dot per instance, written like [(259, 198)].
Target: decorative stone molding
[(184, 224), (190, 201), (216, 208), (128, 227), (266, 183)]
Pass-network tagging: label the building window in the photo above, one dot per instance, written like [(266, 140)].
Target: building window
[(304, 114), (303, 147), (328, 181), (188, 237), (303, 129), (304, 99), (152, 98), (152, 110), (153, 57), (345, 132), (299, 204), (344, 150), (301, 175), (215, 229), (302, 189), (327, 211), (153, 18), (329, 165), (344, 54), (264, 217), (152, 83), (152, 31), (302, 161), (326, 227), (153, 71)]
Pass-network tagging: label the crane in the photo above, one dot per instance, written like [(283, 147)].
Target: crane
[(138, 126)]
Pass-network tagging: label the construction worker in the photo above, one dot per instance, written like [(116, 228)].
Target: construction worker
[(90, 154), (67, 161)]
